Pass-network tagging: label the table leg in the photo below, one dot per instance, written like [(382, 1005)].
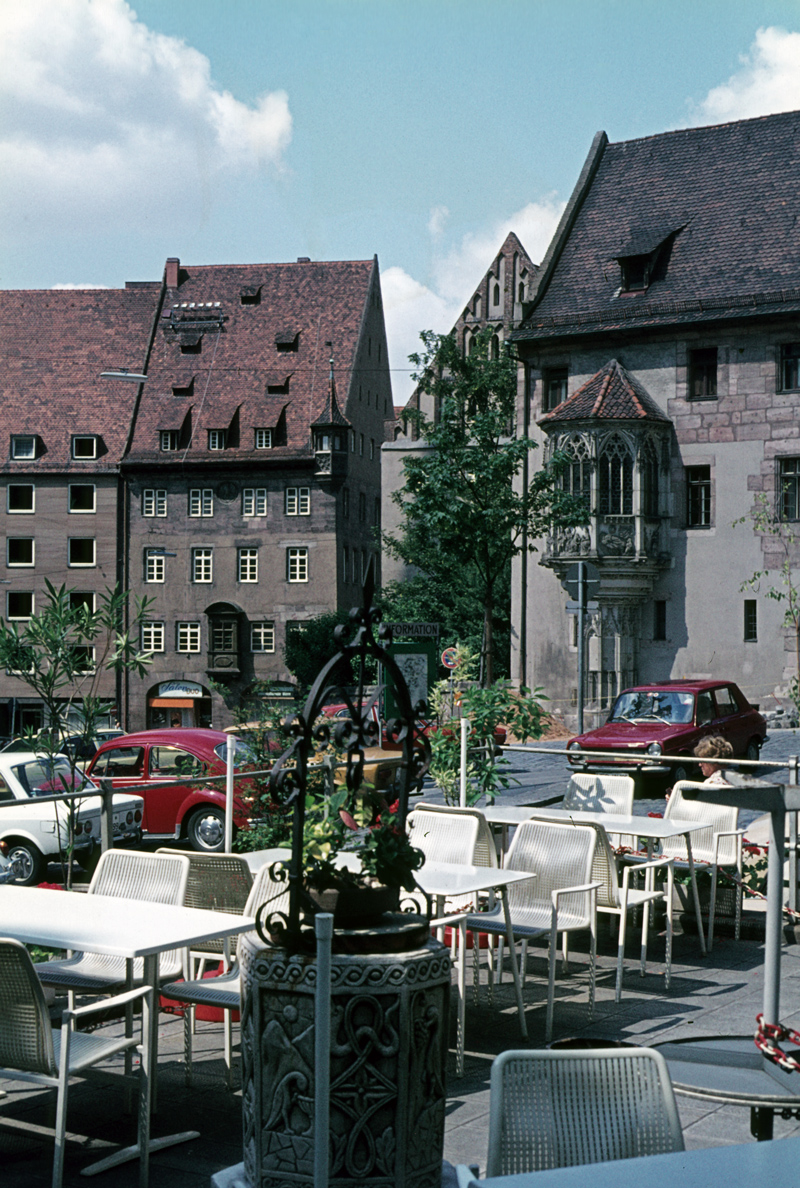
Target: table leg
[(514, 967), (695, 893)]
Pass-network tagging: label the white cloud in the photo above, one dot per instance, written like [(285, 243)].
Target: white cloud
[(109, 121), (438, 220), (411, 306), (768, 81)]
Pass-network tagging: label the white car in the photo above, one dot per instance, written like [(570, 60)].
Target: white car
[(36, 833)]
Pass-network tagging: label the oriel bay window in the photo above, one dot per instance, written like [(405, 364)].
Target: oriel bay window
[(223, 637)]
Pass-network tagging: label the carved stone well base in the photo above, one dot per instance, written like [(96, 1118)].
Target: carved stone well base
[(387, 1075)]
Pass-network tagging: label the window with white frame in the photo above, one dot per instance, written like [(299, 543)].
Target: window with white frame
[(201, 501), (154, 502), (154, 565), (19, 604), (82, 499), (80, 600), (298, 501), (263, 439), (23, 446), (297, 565), (20, 498), (188, 637), (254, 501), (262, 637), (152, 637), (202, 565), (81, 551), (84, 447), (248, 565), (168, 440), (82, 658), (217, 439)]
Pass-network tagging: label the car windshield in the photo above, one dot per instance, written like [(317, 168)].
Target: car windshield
[(243, 755), (653, 705), (48, 777)]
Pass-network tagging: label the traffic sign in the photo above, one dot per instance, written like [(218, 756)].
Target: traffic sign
[(573, 607), (450, 658), (572, 578)]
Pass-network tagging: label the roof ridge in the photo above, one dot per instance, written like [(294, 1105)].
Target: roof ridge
[(775, 115)]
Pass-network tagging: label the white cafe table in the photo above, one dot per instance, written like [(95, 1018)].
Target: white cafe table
[(650, 828), (444, 880), (753, 1163), (122, 928)]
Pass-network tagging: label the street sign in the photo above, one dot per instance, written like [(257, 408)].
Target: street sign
[(574, 607), (450, 658), (572, 577)]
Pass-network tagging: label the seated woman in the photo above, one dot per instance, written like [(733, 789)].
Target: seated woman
[(711, 748)]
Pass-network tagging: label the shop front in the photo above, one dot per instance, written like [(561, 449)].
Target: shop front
[(178, 703)]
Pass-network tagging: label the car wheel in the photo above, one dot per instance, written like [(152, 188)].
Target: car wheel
[(205, 829), (753, 749), (31, 861)]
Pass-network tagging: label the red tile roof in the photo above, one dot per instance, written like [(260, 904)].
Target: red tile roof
[(612, 394)]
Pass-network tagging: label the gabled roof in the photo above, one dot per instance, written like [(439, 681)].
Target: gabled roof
[(728, 195), (612, 394), (263, 334), (54, 343)]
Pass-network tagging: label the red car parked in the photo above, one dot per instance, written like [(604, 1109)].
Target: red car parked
[(165, 759), (670, 718)]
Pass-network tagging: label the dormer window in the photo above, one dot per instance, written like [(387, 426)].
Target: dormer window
[(23, 447), (217, 439), (280, 387), (644, 257), (84, 448), (263, 439), (183, 386), (288, 340), (635, 273), (250, 295), (168, 440)]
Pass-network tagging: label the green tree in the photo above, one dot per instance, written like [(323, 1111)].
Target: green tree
[(61, 654), (310, 645), (465, 516)]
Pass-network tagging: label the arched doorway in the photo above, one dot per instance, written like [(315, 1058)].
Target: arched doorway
[(178, 703)]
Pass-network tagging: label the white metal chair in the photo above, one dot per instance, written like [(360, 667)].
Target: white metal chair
[(567, 1108), (31, 1051), (484, 851), (718, 845), (562, 898), (127, 875), (225, 991), (217, 883), (602, 794)]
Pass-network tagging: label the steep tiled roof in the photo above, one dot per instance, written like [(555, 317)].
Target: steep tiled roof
[(53, 346), (730, 197), (254, 340), (612, 394)]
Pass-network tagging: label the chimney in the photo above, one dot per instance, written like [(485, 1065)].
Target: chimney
[(172, 271)]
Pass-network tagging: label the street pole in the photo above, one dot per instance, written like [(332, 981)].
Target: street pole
[(581, 640)]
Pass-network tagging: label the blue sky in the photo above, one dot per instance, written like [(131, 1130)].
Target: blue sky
[(421, 130)]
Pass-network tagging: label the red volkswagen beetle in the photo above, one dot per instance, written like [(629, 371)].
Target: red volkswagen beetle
[(159, 764)]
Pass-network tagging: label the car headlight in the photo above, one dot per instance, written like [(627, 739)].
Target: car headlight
[(655, 749), (574, 746)]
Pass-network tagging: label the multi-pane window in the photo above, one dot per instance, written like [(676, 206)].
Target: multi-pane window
[(81, 550), (297, 565), (576, 479), (20, 550), (789, 479), (82, 658), (152, 637), (703, 373), (224, 635), (188, 637), (649, 471), (698, 496), (201, 501), (790, 367), (298, 501), (154, 502), (168, 440), (154, 565), (23, 446), (615, 486), (202, 565), (82, 498), (248, 565), (254, 501), (217, 439), (19, 604), (263, 439), (84, 448), (20, 498), (750, 620), (262, 637), (554, 387)]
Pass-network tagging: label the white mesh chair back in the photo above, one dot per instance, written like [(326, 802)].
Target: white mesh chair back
[(561, 1109), (560, 856), (216, 883), (444, 837), (26, 1037), (485, 852), (600, 793), (718, 817)]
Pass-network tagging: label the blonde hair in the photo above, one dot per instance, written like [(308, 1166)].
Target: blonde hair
[(714, 746)]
